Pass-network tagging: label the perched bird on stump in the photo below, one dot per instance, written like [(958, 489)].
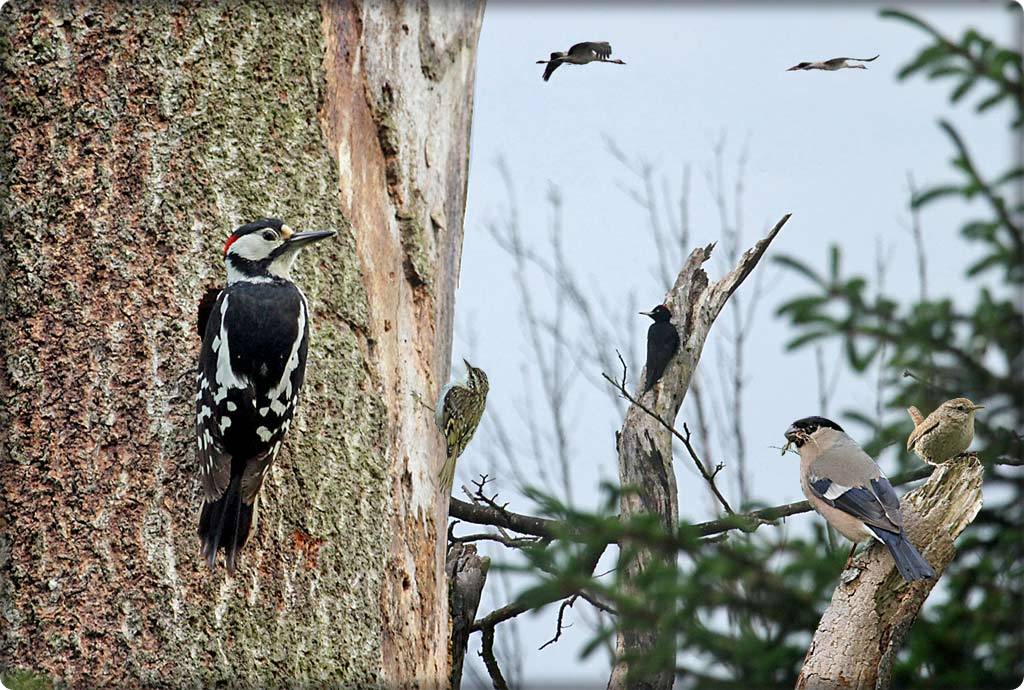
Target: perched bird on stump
[(848, 489), (251, 367), (457, 414), (580, 54), (945, 433), (662, 344), (833, 64)]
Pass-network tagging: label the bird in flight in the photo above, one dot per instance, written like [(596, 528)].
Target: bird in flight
[(580, 54), (833, 64)]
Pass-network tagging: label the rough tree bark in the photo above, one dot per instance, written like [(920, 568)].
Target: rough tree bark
[(135, 136), (645, 445), (872, 609)]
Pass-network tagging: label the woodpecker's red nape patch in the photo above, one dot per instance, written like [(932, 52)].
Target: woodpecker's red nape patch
[(231, 240)]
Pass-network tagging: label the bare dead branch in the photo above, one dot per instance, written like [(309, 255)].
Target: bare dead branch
[(709, 477), (552, 529), (559, 627), (487, 654), (503, 539)]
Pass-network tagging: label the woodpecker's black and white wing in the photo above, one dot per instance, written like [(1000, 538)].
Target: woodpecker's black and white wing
[(214, 460), (600, 50), (252, 368)]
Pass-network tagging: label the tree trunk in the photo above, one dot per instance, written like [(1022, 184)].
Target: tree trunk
[(645, 443), (135, 138), (872, 609)]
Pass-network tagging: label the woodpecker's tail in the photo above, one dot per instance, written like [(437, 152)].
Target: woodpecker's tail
[(224, 524), (909, 561), (447, 475)]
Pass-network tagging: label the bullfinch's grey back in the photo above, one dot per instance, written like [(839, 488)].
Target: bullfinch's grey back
[(848, 489)]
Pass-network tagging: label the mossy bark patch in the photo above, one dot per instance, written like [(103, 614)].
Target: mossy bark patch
[(135, 137)]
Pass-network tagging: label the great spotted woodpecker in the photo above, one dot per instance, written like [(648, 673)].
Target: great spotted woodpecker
[(251, 366)]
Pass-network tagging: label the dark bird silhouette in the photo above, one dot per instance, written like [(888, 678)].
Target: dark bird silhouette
[(580, 54), (832, 65), (662, 343)]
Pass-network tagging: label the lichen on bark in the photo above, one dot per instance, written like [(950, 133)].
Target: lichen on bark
[(135, 137)]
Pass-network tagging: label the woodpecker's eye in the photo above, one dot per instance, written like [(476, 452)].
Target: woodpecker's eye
[(270, 235)]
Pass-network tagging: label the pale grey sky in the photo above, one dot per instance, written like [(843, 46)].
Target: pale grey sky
[(832, 148)]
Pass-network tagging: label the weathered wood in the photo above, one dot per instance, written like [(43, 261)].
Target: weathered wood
[(873, 608), (467, 573), (135, 137), (645, 445)]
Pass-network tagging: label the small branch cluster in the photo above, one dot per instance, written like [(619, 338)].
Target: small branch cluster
[(685, 437)]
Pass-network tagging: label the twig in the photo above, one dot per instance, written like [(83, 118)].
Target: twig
[(597, 602), (709, 477), (559, 627), (516, 608), (487, 653), (927, 383), (980, 68), (504, 539), (545, 527), (997, 202), (918, 235)]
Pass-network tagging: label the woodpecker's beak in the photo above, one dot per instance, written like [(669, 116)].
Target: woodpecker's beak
[(647, 313), (303, 238)]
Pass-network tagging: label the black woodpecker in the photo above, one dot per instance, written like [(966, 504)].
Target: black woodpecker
[(251, 367), (457, 414), (662, 343)]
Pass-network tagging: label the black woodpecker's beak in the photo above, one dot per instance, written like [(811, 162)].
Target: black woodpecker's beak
[(301, 239), (647, 313)]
